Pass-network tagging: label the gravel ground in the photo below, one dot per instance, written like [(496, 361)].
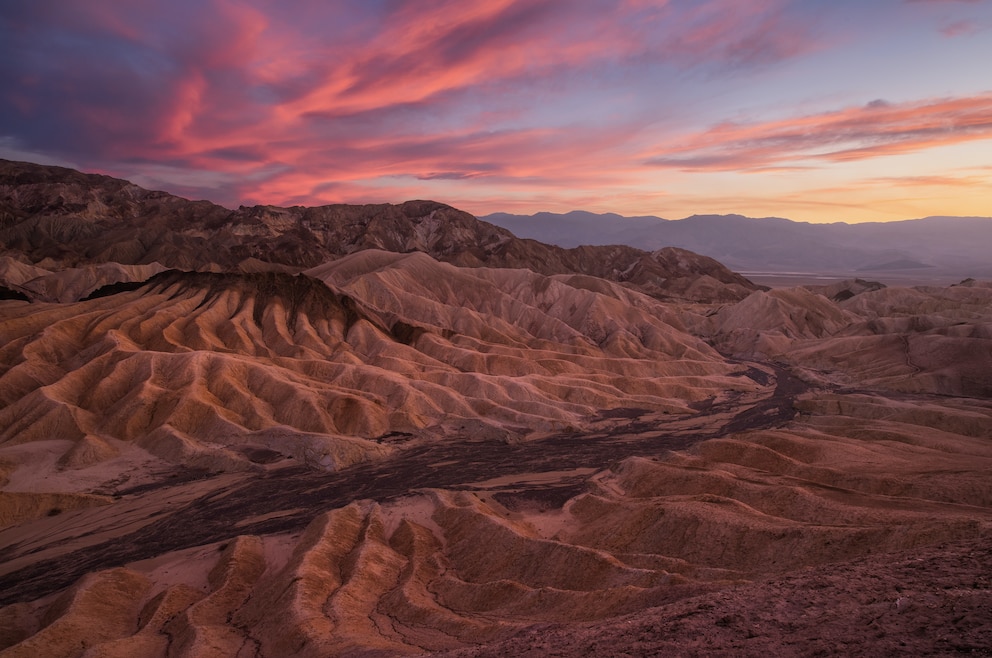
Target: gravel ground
[(932, 601)]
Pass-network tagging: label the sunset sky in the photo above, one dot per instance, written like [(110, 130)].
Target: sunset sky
[(836, 110)]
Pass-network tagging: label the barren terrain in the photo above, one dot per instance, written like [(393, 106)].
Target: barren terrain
[(394, 453)]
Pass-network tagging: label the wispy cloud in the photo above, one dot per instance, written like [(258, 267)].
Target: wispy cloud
[(876, 129), (944, 181), (204, 77)]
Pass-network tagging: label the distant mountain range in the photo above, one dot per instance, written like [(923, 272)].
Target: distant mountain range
[(940, 247)]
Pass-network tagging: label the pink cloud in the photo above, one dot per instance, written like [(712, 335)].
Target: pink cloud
[(317, 103), (524, 158), (857, 133), (425, 51), (960, 28)]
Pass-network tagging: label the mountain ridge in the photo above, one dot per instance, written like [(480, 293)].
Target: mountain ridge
[(58, 218), (953, 246)]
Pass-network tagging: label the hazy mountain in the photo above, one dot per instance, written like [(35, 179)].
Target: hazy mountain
[(397, 430), (954, 247)]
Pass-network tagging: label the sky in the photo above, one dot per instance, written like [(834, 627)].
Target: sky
[(820, 111)]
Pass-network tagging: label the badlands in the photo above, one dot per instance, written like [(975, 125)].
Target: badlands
[(397, 430)]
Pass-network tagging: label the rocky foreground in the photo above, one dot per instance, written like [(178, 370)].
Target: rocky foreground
[(387, 453)]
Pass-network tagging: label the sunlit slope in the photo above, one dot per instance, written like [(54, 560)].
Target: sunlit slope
[(201, 369), (924, 339)]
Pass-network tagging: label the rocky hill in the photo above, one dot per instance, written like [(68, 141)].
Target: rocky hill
[(57, 218)]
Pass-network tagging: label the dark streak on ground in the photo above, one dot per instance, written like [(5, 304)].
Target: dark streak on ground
[(773, 411), (170, 479), (542, 498), (220, 514)]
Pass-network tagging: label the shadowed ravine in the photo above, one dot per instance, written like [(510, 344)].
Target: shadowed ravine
[(288, 498)]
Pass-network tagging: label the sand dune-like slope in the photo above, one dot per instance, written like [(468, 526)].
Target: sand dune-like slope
[(227, 371), (924, 339), (517, 307)]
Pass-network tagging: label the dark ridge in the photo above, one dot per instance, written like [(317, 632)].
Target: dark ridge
[(848, 289), (622, 413), (7, 293), (543, 498), (409, 333), (114, 289), (299, 294), (260, 455), (352, 313), (28, 173), (873, 285), (406, 333), (9, 215)]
